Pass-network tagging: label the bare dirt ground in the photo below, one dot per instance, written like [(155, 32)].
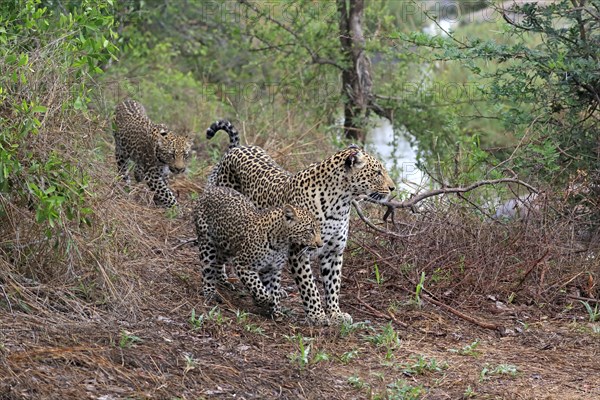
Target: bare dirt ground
[(67, 343)]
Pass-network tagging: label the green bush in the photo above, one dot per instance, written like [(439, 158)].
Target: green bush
[(47, 62)]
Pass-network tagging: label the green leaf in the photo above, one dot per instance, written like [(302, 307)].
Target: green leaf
[(23, 59), (39, 109)]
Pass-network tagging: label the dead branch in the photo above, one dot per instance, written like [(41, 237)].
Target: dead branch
[(411, 202), (533, 265), (375, 227), (183, 242), (448, 190), (483, 324), (587, 299), (373, 312)]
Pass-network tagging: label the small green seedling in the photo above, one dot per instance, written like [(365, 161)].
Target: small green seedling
[(190, 363), (240, 316), (402, 390), (302, 355), (321, 356), (356, 382), (388, 339), (252, 328), (378, 278), (196, 321), (469, 392), (128, 340), (348, 356), (502, 369), (468, 350), (422, 365), (216, 315), (593, 313), (419, 288), (346, 328)]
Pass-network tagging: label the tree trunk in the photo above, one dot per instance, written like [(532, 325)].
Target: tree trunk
[(356, 77)]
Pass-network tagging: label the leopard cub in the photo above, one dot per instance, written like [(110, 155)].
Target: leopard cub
[(230, 227), (152, 147)]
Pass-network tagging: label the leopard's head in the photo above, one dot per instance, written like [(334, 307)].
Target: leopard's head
[(366, 175), (172, 149), (302, 227)]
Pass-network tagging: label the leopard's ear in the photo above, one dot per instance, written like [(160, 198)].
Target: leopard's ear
[(355, 160), (289, 213), (163, 132)]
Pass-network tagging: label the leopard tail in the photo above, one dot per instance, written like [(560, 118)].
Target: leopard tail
[(234, 136)]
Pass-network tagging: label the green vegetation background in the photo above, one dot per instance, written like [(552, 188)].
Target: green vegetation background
[(488, 100)]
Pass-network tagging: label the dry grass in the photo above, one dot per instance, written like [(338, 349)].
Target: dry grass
[(103, 311), (466, 257)]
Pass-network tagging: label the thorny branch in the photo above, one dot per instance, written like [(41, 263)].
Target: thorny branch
[(411, 202)]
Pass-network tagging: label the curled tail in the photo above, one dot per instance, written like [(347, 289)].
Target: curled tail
[(234, 136)]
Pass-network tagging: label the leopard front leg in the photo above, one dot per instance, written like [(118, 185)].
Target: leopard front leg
[(331, 271), (251, 280), (122, 159), (163, 195), (271, 278), (138, 173), (311, 300)]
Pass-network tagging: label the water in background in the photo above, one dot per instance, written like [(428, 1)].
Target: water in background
[(394, 148), (400, 159)]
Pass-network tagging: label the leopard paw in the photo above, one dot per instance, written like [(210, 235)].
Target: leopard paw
[(277, 316), (210, 299), (282, 293), (337, 318), (318, 320)]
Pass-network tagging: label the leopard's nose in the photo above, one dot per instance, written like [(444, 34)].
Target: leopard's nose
[(392, 188), (319, 241)]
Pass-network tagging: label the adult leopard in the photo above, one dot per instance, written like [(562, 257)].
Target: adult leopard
[(230, 227), (325, 189), (152, 147)]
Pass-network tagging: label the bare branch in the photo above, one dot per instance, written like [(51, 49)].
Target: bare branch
[(392, 204), (483, 324), (184, 242), (420, 197), (375, 227)]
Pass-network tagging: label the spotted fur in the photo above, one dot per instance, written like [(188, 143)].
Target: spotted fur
[(229, 226), (327, 190), (152, 147)]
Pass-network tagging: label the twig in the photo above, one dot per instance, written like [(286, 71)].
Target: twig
[(420, 197), (186, 241), (379, 314), (535, 263), (589, 300), (7, 299), (378, 229), (392, 204), (482, 324)]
